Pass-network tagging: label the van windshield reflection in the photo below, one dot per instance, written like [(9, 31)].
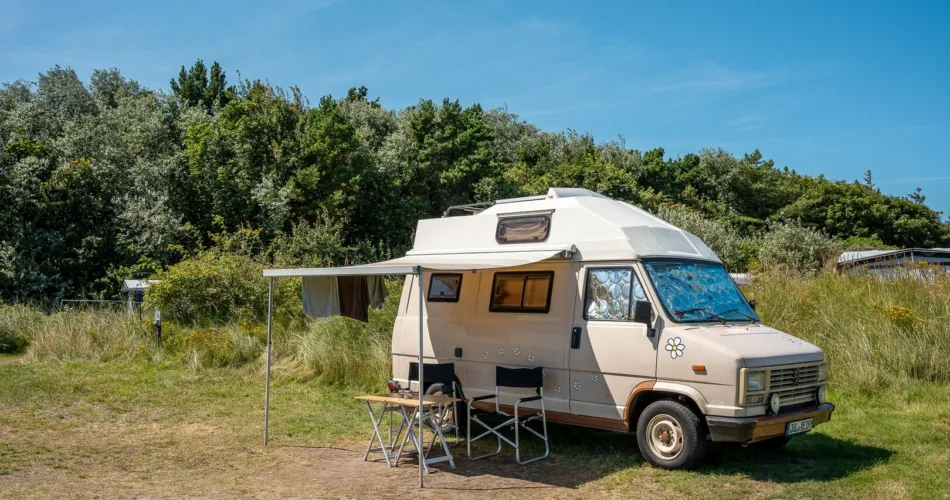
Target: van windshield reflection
[(694, 291)]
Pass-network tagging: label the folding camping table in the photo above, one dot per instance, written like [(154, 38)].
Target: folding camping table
[(410, 409)]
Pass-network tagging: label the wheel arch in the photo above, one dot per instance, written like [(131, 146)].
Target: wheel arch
[(648, 392)]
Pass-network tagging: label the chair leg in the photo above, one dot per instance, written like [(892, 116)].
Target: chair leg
[(544, 437), (470, 437)]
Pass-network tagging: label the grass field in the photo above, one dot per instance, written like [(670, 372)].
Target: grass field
[(127, 429), (91, 407)]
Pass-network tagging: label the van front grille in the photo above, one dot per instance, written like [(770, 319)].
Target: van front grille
[(782, 379), (797, 387), (798, 398)]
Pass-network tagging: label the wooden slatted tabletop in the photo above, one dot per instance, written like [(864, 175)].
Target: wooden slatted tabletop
[(412, 402)]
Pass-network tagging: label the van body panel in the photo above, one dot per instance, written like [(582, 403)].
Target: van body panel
[(717, 381), (522, 339), (595, 382), (612, 357), (487, 339), (754, 344)]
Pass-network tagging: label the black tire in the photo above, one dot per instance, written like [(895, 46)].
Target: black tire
[(449, 425), (684, 443), (771, 445)]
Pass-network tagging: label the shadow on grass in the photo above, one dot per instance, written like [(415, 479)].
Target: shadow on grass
[(812, 457), (579, 456)]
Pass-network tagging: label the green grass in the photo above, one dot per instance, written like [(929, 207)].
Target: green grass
[(83, 420), (94, 404)]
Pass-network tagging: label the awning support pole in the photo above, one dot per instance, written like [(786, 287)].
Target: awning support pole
[(270, 305), (421, 455)]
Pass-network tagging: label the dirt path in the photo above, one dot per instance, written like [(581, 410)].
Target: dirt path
[(127, 459)]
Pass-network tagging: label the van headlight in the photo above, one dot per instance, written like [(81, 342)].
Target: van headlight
[(755, 381), (821, 395)]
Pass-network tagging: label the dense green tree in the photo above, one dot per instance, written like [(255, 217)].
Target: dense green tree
[(196, 87), (111, 180)]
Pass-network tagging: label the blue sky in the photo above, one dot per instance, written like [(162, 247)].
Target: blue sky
[(822, 87)]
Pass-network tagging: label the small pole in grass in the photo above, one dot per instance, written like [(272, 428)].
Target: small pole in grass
[(158, 327)]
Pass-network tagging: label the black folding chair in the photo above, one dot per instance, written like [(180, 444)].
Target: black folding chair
[(443, 374), (493, 422)]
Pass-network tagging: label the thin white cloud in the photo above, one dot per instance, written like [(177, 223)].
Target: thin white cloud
[(746, 123), (712, 77)]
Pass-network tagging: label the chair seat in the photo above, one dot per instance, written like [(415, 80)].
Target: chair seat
[(494, 419), (493, 423)]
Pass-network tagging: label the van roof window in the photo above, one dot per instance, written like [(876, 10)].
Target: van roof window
[(523, 229)]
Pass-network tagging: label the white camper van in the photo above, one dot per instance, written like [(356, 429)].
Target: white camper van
[(636, 324)]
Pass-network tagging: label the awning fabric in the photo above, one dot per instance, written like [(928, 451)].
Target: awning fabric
[(436, 262)]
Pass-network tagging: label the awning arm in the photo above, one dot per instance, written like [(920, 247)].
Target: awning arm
[(339, 271)]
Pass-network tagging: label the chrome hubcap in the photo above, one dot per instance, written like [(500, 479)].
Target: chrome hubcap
[(665, 437), (447, 423)]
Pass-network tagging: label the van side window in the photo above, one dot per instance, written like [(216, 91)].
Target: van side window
[(444, 287), (527, 229), (522, 292), (609, 293)]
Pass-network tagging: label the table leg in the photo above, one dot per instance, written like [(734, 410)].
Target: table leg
[(445, 446), (377, 434), (411, 435)]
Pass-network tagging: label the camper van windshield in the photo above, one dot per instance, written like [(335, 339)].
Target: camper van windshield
[(693, 291)]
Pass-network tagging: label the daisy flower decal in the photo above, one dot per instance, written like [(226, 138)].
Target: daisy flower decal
[(675, 347)]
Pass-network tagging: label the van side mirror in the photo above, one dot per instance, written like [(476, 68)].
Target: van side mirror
[(752, 304), (642, 312)]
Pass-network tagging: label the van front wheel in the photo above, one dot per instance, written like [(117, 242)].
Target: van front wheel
[(670, 435)]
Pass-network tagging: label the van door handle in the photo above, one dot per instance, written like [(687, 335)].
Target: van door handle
[(576, 337)]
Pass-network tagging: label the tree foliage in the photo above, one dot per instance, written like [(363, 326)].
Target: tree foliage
[(107, 180)]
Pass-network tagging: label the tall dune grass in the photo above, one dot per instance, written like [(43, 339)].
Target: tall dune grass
[(97, 335), (873, 332), (15, 322), (341, 350)]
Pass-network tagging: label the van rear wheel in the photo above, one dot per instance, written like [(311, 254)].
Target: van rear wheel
[(448, 423), (670, 435)]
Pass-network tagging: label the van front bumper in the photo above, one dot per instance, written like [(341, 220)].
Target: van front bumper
[(751, 429)]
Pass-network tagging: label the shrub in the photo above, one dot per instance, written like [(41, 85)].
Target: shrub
[(229, 345), (791, 246), (737, 252), (218, 287)]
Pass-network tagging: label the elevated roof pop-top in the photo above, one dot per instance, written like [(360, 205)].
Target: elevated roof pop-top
[(598, 228)]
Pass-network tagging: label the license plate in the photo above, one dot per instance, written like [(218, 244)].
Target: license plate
[(799, 426)]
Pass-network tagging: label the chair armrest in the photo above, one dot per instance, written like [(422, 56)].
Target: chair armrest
[(528, 400), (483, 398)]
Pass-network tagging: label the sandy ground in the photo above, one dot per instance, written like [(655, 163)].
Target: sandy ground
[(126, 460)]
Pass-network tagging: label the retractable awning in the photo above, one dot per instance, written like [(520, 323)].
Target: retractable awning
[(435, 262), (414, 264)]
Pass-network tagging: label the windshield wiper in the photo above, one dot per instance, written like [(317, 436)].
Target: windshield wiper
[(752, 319), (711, 314)]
